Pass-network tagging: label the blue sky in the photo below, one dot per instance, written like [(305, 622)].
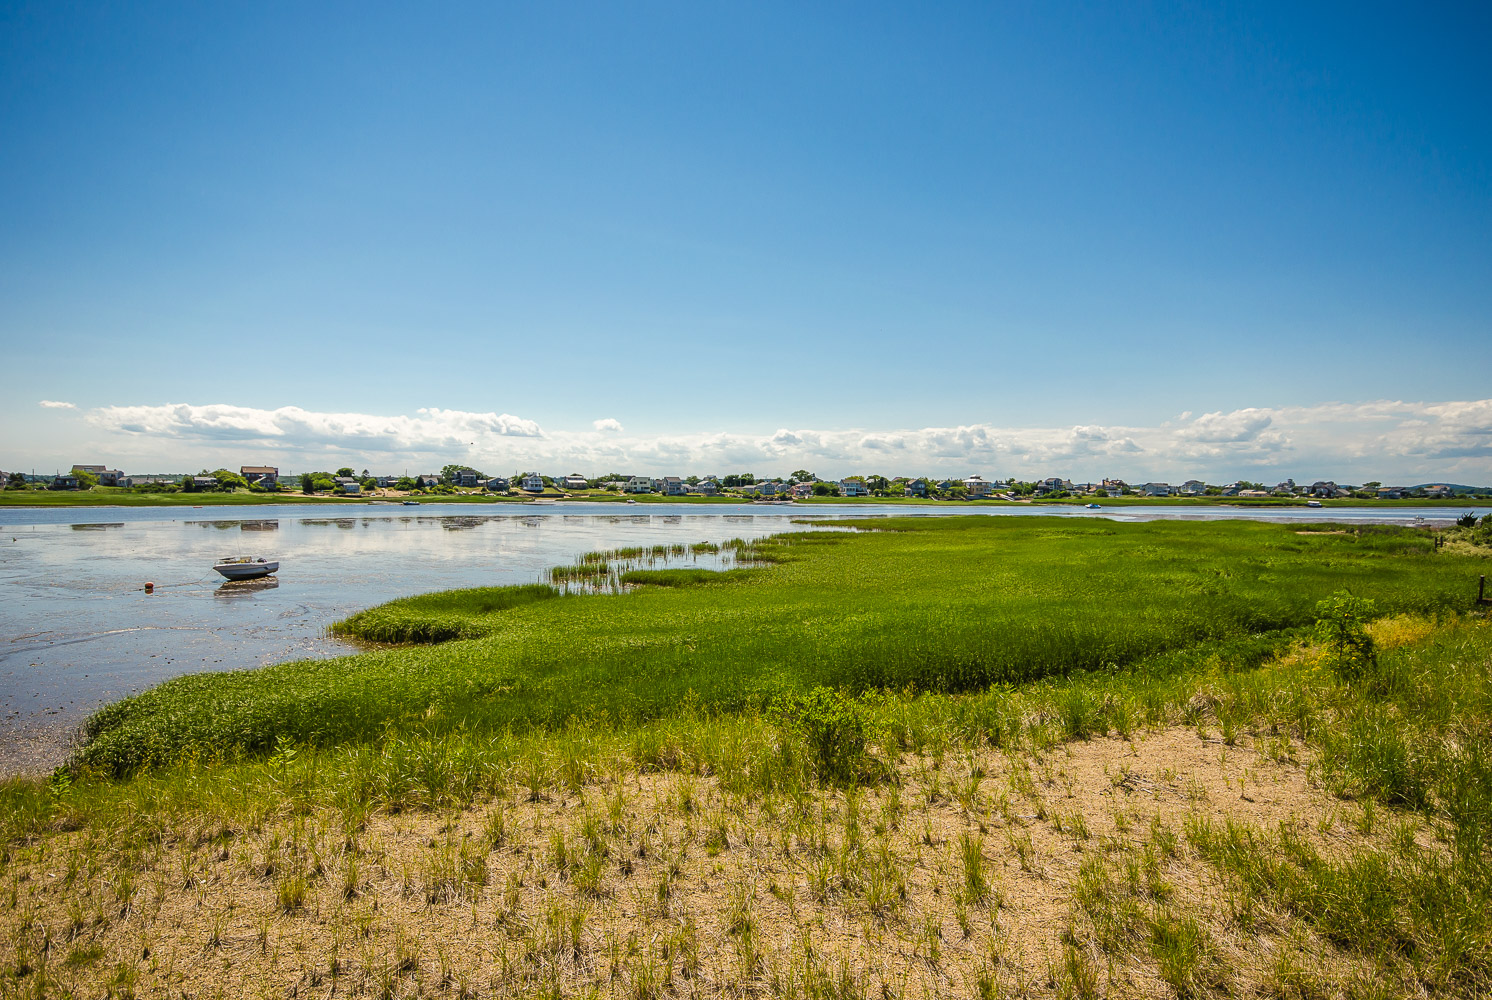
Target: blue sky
[(1008, 238)]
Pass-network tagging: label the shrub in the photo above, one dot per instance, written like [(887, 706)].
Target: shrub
[(1466, 520), (831, 726), (1342, 627)]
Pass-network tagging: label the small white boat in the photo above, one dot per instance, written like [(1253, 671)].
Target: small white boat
[(1313, 503), (245, 567), (1092, 506)]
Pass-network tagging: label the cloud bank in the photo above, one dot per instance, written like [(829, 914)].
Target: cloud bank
[(1386, 440), (55, 404)]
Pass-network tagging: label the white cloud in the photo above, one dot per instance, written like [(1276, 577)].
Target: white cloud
[(56, 404), (1384, 439)]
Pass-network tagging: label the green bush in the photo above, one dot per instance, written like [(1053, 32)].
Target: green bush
[(1342, 627), (831, 727)]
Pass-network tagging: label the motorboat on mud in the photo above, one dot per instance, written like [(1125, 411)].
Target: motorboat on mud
[(246, 567)]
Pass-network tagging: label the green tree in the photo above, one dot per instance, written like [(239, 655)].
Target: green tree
[(405, 483), (345, 471), (307, 483), (229, 480), (802, 476), (17, 481), (86, 480)]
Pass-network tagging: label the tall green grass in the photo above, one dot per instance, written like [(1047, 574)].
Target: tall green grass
[(928, 605)]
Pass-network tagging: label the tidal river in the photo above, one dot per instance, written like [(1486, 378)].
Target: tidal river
[(78, 630)]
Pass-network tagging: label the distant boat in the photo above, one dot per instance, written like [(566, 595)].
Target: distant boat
[(245, 567), (411, 503), (1313, 503), (1092, 506), (631, 501)]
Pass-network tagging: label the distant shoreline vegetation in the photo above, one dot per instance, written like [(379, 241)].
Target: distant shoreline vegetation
[(103, 496)]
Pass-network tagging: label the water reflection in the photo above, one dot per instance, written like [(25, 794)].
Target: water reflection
[(246, 588), (260, 526), (98, 527)]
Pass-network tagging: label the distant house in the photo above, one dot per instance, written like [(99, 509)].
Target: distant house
[(1438, 492), (133, 481), (532, 483), (1156, 489), (1252, 494), (263, 475), (708, 486), (575, 481), (1193, 488), (977, 486), (1054, 485), (1288, 486), (499, 484), (800, 491), (640, 484), (771, 487), (466, 477), (1323, 488), (853, 488), (917, 488), (204, 482), (105, 475), (673, 486), (348, 485), (64, 483), (426, 480), (1391, 492)]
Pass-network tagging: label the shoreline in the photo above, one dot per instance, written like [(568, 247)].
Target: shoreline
[(241, 500)]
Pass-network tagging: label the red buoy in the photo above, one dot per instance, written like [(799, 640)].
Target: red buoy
[(149, 587)]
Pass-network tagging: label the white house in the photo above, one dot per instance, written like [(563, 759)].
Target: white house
[(1156, 489), (532, 483), (575, 481), (853, 488), (499, 484), (673, 486), (640, 484)]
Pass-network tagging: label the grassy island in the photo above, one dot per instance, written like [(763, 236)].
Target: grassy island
[(974, 757)]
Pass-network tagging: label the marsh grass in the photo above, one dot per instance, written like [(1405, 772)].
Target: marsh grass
[(755, 856), (940, 606)]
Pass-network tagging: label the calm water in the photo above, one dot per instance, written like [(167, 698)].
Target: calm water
[(77, 629)]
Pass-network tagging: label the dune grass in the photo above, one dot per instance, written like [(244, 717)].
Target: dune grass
[(917, 605)]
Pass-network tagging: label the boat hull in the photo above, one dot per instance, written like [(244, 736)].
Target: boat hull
[(246, 571)]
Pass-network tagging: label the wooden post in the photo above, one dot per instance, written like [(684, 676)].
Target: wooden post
[(1481, 588)]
